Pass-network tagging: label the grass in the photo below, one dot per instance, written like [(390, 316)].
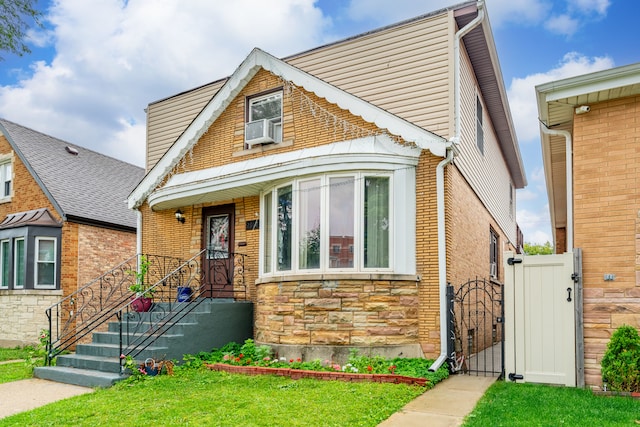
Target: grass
[(15, 371), (207, 398), (16, 353), (508, 404)]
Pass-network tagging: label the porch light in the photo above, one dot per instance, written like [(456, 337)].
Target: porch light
[(180, 216)]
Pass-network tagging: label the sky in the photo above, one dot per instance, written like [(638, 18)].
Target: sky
[(95, 65)]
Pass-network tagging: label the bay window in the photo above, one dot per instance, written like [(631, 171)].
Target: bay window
[(315, 215)]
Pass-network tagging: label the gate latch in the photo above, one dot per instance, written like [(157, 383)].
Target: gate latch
[(514, 377), (512, 261), (575, 277)]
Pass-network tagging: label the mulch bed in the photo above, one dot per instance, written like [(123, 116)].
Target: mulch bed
[(296, 374)]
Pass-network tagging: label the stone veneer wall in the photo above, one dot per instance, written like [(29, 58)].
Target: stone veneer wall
[(23, 315), (337, 315)]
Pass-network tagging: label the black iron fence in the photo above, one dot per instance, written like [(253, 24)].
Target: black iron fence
[(171, 281)]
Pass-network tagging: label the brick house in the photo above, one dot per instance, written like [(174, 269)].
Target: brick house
[(64, 221), (590, 133), (358, 178)]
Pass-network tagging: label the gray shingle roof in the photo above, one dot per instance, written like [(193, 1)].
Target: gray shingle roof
[(87, 186)]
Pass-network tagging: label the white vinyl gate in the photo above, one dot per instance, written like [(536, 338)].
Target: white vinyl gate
[(542, 300)]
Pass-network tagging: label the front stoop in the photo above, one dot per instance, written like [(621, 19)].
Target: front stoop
[(213, 324)]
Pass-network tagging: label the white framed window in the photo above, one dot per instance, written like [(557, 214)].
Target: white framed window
[(6, 176), (307, 218), (5, 263), (19, 263), (45, 268), (264, 119)]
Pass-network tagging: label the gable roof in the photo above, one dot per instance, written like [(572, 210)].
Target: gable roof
[(87, 187), (257, 60)]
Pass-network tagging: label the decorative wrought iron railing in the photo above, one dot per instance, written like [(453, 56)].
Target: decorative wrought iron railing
[(209, 274)]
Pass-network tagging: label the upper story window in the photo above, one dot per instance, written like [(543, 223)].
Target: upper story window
[(264, 119), (6, 175), (307, 219), (479, 128)]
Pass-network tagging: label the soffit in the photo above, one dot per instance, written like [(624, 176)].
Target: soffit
[(482, 53)]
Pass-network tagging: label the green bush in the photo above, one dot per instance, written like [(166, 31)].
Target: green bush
[(621, 361)]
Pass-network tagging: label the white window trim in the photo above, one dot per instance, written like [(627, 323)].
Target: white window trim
[(36, 261), (4, 161), (278, 94), (16, 259), (3, 285), (402, 204)]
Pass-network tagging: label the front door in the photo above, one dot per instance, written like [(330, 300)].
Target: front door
[(217, 261)]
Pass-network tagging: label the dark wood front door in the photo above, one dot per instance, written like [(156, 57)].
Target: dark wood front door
[(217, 263)]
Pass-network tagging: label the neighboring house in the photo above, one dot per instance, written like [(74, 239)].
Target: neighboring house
[(64, 221), (590, 132), (359, 178)]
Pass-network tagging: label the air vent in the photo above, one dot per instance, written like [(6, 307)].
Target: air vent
[(71, 150)]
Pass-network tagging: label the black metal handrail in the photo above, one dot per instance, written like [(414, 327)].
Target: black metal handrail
[(208, 274), (80, 313)]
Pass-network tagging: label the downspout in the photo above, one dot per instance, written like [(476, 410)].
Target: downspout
[(569, 179), (138, 232), (442, 235)]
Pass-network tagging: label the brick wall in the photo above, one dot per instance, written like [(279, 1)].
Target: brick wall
[(606, 221), (100, 249), (27, 194)]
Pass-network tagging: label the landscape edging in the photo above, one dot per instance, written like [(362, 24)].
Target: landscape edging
[(297, 374)]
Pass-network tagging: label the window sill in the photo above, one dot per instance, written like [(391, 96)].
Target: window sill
[(5, 200), (263, 148), (337, 277), (56, 292)]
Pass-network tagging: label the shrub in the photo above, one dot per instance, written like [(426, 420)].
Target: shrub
[(621, 361)]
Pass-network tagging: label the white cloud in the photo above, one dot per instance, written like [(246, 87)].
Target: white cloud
[(522, 97), (590, 6), (562, 24), (523, 12), (112, 58), (535, 224)]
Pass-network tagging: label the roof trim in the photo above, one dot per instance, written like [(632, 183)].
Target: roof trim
[(35, 217), (250, 177), (257, 60), (33, 173)]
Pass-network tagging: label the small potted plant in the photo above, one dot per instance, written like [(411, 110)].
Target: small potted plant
[(141, 301)]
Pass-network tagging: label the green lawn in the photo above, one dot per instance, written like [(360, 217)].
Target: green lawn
[(508, 404), (15, 371), (16, 353), (207, 398)]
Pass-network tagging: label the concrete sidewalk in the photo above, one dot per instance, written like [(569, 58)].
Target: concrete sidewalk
[(444, 405), (24, 395)]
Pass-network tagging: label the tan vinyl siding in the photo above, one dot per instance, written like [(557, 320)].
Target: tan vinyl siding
[(486, 173), (167, 119), (404, 70)]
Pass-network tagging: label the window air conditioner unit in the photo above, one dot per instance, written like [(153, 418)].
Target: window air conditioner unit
[(259, 132), (493, 270)]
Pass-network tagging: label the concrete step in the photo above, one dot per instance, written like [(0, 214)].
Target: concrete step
[(114, 338), (177, 328), (113, 350), (76, 376), (97, 363)]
